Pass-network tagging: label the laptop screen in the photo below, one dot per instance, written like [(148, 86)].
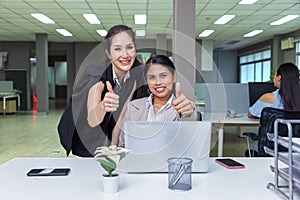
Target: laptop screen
[(152, 143)]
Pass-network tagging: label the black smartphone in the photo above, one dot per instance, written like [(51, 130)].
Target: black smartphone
[(49, 172), (229, 163)]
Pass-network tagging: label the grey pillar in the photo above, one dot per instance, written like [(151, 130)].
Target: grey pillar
[(183, 47), (70, 71), (42, 73), (276, 52), (161, 44)]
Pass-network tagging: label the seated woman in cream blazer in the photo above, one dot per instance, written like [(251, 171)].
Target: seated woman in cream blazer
[(162, 104)]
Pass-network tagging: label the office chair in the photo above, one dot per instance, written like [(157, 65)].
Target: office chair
[(267, 119)]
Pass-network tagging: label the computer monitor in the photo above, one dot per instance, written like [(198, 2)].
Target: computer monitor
[(257, 89), (152, 143)]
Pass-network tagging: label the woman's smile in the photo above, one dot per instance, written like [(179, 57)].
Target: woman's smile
[(160, 89)]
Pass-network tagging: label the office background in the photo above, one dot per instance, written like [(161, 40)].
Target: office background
[(226, 46)]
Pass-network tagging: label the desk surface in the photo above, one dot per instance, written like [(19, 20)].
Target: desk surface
[(84, 182), (222, 118), (3, 94)]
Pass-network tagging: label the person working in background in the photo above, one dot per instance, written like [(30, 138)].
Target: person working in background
[(286, 97), (163, 103)]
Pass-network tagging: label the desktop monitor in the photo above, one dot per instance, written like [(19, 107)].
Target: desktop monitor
[(152, 143), (257, 89)]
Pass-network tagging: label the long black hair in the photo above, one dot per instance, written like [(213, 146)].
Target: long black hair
[(289, 89)]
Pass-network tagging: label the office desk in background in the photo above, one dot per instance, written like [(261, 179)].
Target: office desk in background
[(5, 96), (84, 182), (219, 120)]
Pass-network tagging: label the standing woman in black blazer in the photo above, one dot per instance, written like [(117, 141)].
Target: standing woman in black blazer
[(86, 124)]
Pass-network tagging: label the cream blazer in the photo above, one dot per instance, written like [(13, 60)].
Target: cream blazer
[(137, 111)]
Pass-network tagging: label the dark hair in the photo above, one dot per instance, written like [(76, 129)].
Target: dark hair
[(289, 86), (162, 60), (116, 30)]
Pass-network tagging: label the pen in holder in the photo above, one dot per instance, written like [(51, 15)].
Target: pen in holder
[(179, 173)]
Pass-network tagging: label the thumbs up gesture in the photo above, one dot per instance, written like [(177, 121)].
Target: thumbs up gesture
[(111, 100), (97, 108), (182, 104)]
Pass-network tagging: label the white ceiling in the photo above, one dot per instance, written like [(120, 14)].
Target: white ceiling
[(17, 24)]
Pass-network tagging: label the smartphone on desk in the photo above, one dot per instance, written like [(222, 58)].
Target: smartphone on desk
[(229, 163), (49, 172)]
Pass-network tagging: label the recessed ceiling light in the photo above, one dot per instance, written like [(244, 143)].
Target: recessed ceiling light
[(140, 19), (64, 32), (91, 18), (247, 1), (102, 32), (253, 33), (140, 32), (284, 19), (224, 19), (42, 18), (206, 33)]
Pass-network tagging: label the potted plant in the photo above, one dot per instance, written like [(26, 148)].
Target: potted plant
[(109, 158), (273, 72)]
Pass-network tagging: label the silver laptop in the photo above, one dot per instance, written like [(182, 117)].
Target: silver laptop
[(152, 143)]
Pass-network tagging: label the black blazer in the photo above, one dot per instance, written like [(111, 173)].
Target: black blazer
[(74, 131)]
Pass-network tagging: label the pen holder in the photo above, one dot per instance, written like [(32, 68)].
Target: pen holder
[(180, 174)]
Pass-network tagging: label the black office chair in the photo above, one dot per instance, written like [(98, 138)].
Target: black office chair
[(267, 119)]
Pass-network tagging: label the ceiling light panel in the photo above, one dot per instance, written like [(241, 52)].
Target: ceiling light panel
[(206, 33), (102, 32), (253, 33), (224, 19), (284, 20), (140, 19), (64, 32), (91, 18), (247, 1), (42, 18)]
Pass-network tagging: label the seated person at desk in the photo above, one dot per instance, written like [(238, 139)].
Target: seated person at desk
[(162, 104), (285, 97)]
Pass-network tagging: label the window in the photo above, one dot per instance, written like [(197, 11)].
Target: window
[(255, 67)]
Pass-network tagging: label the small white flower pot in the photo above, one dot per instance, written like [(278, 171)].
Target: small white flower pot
[(110, 183)]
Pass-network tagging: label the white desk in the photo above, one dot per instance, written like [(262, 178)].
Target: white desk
[(9, 96), (220, 119), (84, 182)]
